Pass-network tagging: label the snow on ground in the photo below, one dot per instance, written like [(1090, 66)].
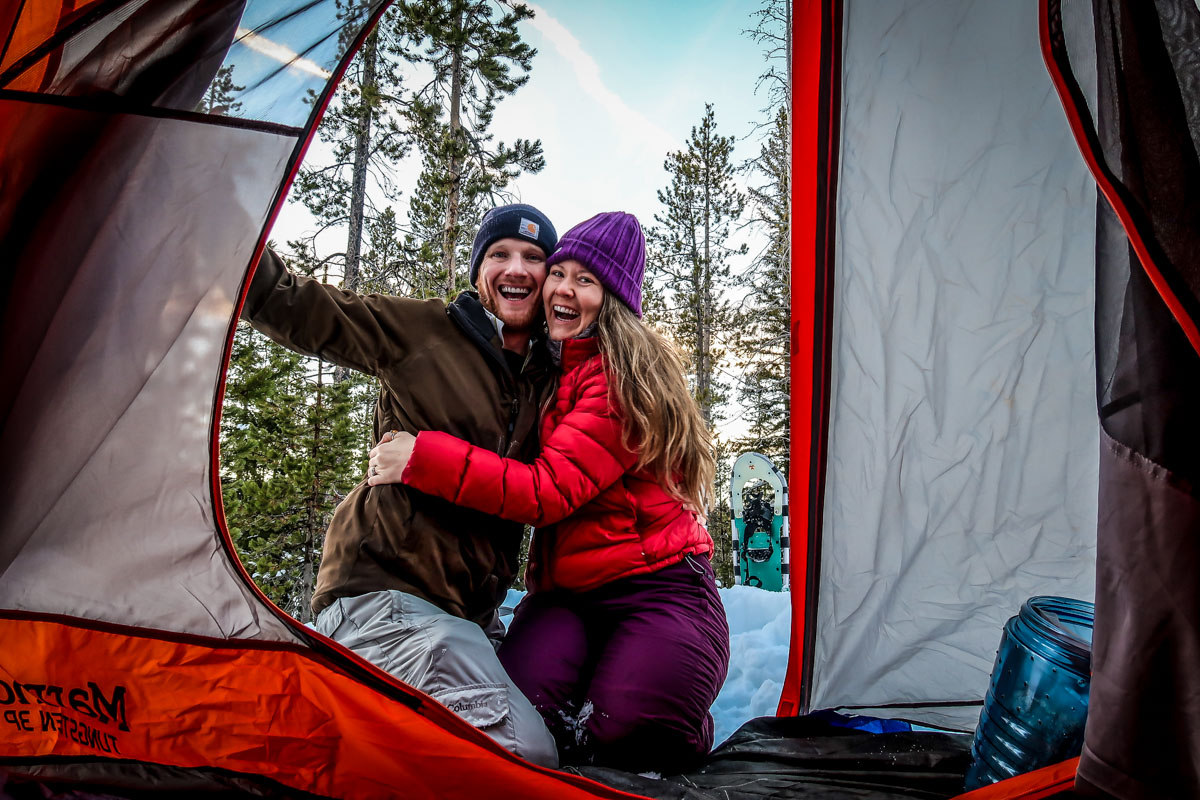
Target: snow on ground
[(760, 631), (759, 635)]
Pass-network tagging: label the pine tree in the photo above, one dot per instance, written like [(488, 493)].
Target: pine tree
[(773, 30), (477, 58), (720, 517), (762, 344), (363, 127), (260, 478), (523, 559), (221, 96), (424, 243), (688, 257), (689, 280), (385, 265), (333, 462), (368, 142)]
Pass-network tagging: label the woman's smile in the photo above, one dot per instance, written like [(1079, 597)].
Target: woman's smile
[(572, 297)]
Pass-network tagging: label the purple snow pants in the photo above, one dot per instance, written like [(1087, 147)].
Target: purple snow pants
[(625, 674)]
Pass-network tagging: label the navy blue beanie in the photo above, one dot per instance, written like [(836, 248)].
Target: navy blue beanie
[(517, 221)]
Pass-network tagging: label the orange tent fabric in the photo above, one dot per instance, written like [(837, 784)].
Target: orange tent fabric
[(144, 649)]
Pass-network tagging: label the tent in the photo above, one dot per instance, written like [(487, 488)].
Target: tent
[(975, 274), (951, 254)]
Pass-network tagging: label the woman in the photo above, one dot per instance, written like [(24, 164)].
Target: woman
[(621, 643)]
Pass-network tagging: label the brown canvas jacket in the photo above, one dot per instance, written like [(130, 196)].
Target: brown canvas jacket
[(441, 368)]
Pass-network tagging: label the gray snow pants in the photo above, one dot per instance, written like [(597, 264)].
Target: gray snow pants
[(450, 659)]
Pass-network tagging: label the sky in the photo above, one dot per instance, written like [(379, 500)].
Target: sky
[(614, 88), (617, 86)]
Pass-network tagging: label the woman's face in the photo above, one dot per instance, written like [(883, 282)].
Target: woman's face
[(572, 297)]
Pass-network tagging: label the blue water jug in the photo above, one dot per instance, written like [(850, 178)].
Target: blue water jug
[(1037, 701)]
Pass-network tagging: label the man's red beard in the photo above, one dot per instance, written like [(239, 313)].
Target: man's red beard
[(526, 322)]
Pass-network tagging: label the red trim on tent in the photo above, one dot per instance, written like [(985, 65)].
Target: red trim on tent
[(1085, 138), (40, 29), (270, 712), (815, 119), (8, 15), (1034, 785), (214, 440)]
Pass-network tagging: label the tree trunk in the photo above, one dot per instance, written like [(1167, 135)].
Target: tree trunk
[(358, 178), (699, 353), (706, 272), (314, 496), (449, 237), (787, 35)]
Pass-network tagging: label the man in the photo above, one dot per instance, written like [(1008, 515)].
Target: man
[(408, 581)]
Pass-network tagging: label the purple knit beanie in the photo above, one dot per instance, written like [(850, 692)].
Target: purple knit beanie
[(612, 247)]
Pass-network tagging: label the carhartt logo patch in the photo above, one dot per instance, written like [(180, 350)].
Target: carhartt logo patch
[(528, 228)]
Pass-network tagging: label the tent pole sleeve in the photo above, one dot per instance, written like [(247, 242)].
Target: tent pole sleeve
[(306, 138), (1049, 25), (815, 119)]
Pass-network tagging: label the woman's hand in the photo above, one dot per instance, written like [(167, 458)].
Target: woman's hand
[(389, 458)]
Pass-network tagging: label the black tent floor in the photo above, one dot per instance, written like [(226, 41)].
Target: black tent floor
[(807, 757), (769, 757)]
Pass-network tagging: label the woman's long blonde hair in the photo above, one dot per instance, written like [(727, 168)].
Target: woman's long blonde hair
[(661, 418)]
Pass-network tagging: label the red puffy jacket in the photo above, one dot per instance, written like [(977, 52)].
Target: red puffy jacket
[(597, 518)]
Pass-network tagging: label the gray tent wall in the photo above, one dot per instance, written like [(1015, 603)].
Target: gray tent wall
[(963, 441)]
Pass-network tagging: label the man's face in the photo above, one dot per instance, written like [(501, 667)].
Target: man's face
[(510, 282)]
